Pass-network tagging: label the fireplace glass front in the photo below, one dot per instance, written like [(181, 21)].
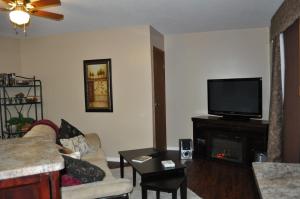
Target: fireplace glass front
[(227, 149)]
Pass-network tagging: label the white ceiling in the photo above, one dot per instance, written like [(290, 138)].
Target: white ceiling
[(167, 16)]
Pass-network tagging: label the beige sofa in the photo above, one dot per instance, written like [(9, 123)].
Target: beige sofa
[(109, 187)]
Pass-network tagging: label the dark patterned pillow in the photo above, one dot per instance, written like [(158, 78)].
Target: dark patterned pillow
[(67, 131), (82, 170)]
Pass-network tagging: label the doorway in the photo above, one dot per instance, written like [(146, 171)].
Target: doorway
[(291, 141), (160, 141)]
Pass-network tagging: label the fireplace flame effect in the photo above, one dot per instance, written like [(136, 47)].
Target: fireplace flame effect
[(220, 155)]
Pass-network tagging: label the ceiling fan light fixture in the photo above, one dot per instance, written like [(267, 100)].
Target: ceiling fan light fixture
[(20, 11), (19, 17)]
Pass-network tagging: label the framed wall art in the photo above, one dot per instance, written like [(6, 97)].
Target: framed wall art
[(97, 85)]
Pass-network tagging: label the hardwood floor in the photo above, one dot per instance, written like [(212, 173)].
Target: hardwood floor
[(216, 180)]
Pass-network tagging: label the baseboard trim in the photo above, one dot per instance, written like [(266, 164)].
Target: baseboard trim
[(113, 159), (173, 148)]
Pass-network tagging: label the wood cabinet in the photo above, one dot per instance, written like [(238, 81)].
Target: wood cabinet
[(30, 168), (41, 186), (251, 134)]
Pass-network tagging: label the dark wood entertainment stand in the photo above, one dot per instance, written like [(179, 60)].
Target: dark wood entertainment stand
[(252, 134)]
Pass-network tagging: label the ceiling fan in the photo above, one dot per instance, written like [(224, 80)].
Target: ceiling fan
[(20, 11)]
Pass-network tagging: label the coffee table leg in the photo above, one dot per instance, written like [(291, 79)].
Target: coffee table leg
[(134, 176), (174, 195), (144, 193), (183, 189), (157, 194), (121, 166)]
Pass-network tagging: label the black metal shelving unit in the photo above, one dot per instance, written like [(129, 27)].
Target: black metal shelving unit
[(30, 105)]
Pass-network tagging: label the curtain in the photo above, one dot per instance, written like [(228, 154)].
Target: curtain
[(276, 106), (285, 16), (282, 63)]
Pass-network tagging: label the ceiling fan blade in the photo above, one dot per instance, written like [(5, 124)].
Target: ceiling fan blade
[(49, 15), (3, 9), (45, 3), (8, 1)]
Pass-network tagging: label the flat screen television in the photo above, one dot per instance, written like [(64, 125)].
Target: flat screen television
[(240, 97)]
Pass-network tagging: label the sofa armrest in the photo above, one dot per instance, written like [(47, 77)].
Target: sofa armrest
[(93, 140), (42, 130), (100, 189)]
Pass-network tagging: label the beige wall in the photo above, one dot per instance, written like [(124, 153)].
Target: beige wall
[(191, 59), (9, 55), (58, 62), (156, 39)]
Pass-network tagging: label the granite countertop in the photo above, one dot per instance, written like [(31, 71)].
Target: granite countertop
[(28, 156), (277, 180)]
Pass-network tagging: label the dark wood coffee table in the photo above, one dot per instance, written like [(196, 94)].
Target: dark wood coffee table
[(152, 170)]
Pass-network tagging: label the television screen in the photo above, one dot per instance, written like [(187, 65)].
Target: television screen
[(235, 97)]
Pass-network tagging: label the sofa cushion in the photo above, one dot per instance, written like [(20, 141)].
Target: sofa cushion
[(83, 170), (67, 131), (92, 156), (42, 130), (93, 140)]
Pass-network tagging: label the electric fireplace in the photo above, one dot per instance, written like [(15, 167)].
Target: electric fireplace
[(227, 148), (235, 141)]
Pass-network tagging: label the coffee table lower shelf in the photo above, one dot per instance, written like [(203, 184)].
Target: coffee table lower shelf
[(169, 185), (170, 180)]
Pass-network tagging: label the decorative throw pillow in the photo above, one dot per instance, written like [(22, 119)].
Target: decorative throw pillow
[(67, 180), (65, 150), (76, 144), (82, 170), (69, 152), (67, 130)]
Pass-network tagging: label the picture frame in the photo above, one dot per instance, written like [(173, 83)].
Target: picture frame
[(98, 85)]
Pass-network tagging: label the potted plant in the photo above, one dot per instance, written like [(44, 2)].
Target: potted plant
[(22, 123)]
